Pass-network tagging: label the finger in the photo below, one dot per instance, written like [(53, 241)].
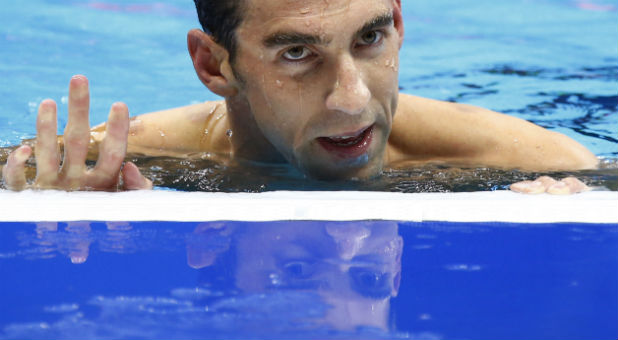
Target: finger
[(80, 242), (77, 132), (46, 150), (13, 173), (559, 188), (133, 178), (528, 187), (118, 226), (546, 181), (567, 186), (45, 233), (576, 185), (45, 227), (114, 145)]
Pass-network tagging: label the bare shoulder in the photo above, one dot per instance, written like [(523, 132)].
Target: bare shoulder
[(429, 130), (178, 131)]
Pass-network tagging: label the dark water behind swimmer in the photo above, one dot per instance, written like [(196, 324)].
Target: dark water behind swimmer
[(208, 175), (204, 174)]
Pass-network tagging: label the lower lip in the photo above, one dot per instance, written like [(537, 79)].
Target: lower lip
[(349, 151)]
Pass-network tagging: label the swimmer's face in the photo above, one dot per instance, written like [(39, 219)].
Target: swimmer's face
[(321, 79), (354, 267)]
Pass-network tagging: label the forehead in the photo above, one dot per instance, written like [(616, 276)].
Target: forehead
[(266, 14)]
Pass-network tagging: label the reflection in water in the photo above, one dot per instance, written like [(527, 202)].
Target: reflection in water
[(253, 278), (354, 268), (303, 279)]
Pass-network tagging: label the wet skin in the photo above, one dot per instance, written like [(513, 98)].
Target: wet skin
[(315, 84), (312, 71)]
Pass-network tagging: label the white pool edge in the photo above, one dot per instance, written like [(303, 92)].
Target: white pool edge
[(499, 206)]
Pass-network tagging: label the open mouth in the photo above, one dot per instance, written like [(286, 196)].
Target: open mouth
[(348, 145)]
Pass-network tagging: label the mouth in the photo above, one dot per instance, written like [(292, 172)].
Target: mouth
[(348, 145)]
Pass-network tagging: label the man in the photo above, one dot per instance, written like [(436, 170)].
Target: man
[(313, 83)]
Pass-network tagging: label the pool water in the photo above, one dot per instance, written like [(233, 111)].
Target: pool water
[(552, 62), (367, 279)]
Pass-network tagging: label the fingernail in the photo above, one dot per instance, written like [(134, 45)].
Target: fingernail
[(78, 259), (48, 102), (79, 80), (23, 153)]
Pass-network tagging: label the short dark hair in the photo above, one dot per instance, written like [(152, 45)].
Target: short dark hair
[(220, 19)]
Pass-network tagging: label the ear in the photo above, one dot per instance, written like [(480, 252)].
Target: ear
[(211, 63), (398, 18)]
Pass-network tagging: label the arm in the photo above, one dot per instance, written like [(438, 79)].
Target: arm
[(175, 132), (431, 130)]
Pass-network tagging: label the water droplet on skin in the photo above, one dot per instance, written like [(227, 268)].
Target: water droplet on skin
[(515, 140), (279, 83), (205, 131), (305, 10), (214, 108), (134, 126), (161, 133), (220, 116), (229, 133)]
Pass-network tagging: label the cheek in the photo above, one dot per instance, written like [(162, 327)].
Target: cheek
[(279, 108)]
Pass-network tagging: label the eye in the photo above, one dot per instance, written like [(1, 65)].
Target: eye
[(298, 269), (370, 283), (297, 53), (370, 38)]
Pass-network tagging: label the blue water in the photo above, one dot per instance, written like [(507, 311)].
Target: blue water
[(285, 279), (553, 62)]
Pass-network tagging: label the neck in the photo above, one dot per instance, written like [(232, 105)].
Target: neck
[(248, 141)]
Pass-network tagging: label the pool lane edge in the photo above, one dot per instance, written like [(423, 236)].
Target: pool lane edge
[(499, 206)]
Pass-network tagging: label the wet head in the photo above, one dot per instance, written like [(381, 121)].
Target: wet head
[(320, 79)]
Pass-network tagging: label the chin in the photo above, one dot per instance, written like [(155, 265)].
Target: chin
[(327, 172)]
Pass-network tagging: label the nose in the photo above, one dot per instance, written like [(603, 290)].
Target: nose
[(349, 238), (350, 93)]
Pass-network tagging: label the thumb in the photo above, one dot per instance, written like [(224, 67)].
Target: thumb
[(133, 178)]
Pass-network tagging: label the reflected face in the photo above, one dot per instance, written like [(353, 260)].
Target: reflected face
[(354, 267), (321, 79)]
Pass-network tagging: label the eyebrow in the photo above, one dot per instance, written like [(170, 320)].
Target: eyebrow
[(377, 22), (283, 38)]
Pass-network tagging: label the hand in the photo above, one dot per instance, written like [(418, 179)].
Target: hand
[(77, 237), (566, 186), (73, 174)]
